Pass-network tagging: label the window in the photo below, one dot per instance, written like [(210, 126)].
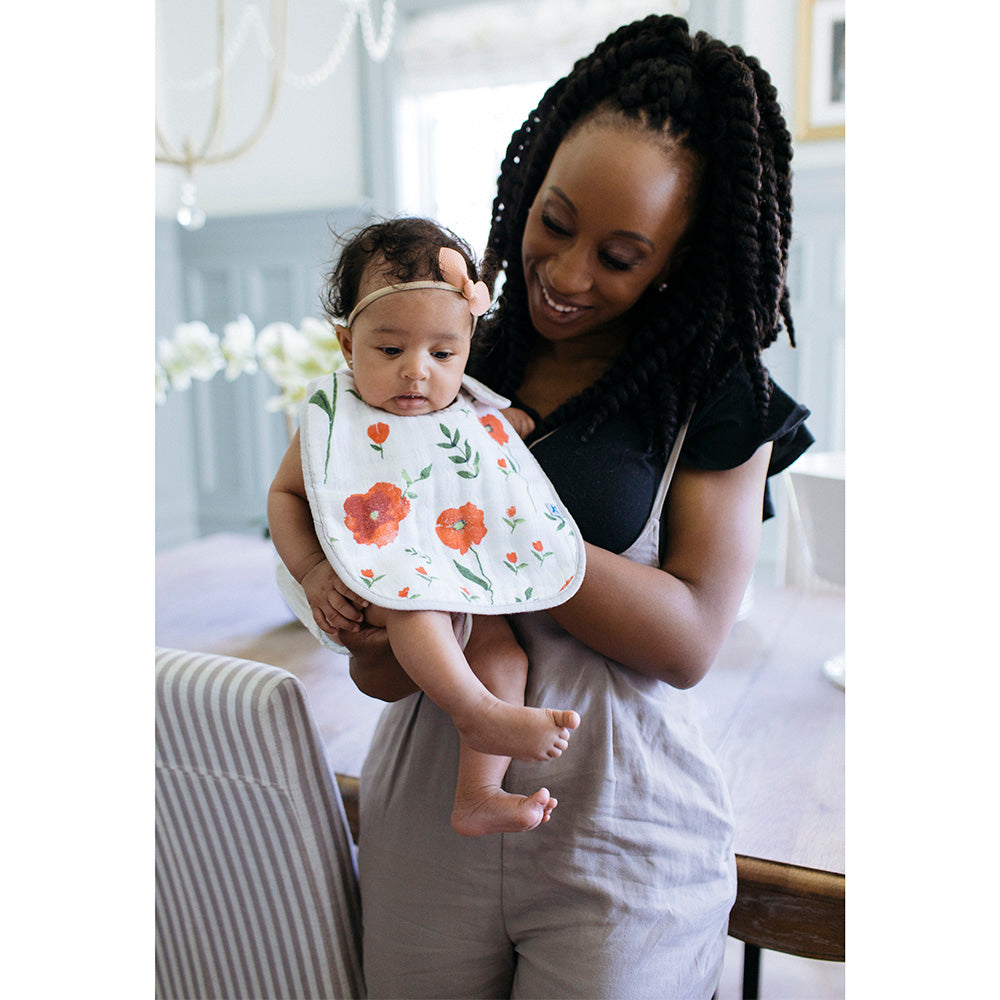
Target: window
[(468, 76), (451, 145)]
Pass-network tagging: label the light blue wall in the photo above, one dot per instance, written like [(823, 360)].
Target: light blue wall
[(813, 371), (217, 445)]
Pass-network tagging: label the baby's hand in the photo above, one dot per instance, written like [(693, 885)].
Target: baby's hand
[(333, 605), (519, 420)]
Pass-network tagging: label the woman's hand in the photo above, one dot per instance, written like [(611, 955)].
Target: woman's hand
[(374, 669), (519, 420)]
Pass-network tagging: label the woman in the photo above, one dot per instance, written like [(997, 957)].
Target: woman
[(642, 221)]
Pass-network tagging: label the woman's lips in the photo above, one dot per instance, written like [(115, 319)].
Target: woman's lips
[(562, 310)]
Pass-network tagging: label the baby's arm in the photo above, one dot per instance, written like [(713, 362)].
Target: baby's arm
[(290, 521), (519, 420)]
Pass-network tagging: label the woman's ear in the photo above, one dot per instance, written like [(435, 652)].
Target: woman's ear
[(346, 344)]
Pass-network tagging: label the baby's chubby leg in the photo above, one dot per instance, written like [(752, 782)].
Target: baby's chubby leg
[(425, 646), (481, 804)]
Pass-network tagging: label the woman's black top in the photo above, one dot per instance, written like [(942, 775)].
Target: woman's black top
[(608, 483)]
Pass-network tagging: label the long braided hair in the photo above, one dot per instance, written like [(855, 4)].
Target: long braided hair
[(727, 296)]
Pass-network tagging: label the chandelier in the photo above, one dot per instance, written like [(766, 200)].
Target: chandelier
[(272, 42)]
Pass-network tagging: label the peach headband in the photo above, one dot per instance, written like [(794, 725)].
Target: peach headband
[(456, 279)]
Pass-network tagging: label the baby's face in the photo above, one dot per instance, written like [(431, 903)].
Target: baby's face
[(408, 350)]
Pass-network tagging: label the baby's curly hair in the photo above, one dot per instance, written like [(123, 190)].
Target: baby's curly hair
[(727, 296), (405, 248)]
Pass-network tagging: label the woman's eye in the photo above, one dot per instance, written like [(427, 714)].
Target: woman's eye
[(616, 263), (553, 226)]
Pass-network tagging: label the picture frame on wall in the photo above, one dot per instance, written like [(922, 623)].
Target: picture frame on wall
[(820, 70)]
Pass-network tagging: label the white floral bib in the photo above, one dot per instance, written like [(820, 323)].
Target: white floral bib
[(448, 510)]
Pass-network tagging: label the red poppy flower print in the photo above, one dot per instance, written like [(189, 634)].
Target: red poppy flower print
[(378, 433), (461, 527), (373, 517), (494, 428)]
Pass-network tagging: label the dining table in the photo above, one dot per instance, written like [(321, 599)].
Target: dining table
[(776, 723)]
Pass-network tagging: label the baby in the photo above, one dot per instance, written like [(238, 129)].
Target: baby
[(412, 307)]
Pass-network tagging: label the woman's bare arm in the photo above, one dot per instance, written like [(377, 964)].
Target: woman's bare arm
[(670, 622)]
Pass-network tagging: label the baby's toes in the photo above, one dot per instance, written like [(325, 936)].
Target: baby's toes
[(567, 720)]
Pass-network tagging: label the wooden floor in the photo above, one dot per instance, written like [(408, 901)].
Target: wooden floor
[(195, 610)]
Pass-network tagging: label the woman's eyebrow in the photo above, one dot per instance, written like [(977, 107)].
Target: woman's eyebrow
[(559, 193), (629, 233)]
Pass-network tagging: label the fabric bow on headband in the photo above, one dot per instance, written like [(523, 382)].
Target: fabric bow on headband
[(456, 279), (455, 272)]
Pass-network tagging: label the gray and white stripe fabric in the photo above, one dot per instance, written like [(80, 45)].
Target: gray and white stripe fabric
[(256, 879)]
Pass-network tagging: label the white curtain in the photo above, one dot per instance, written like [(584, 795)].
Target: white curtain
[(510, 41)]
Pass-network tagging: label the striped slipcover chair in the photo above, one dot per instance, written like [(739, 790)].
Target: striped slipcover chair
[(256, 887)]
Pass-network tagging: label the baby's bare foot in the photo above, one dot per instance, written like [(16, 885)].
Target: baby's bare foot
[(492, 810), (530, 734)]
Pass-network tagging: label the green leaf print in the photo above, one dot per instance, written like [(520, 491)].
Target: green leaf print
[(410, 483), (320, 398), (465, 454), (469, 575), (328, 404)]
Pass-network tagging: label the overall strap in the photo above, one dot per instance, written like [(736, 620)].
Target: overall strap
[(668, 472)]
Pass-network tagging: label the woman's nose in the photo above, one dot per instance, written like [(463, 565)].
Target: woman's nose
[(568, 272)]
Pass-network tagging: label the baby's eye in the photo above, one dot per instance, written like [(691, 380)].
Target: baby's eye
[(442, 355), (390, 351)]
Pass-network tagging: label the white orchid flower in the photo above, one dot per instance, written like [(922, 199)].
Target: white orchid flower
[(239, 348), (289, 402), (291, 356), (281, 350), (320, 333), (170, 363), (162, 384), (325, 353), (193, 353)]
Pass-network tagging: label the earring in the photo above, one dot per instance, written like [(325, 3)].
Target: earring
[(662, 287)]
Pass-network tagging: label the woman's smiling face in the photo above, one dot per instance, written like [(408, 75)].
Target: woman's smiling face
[(612, 209)]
